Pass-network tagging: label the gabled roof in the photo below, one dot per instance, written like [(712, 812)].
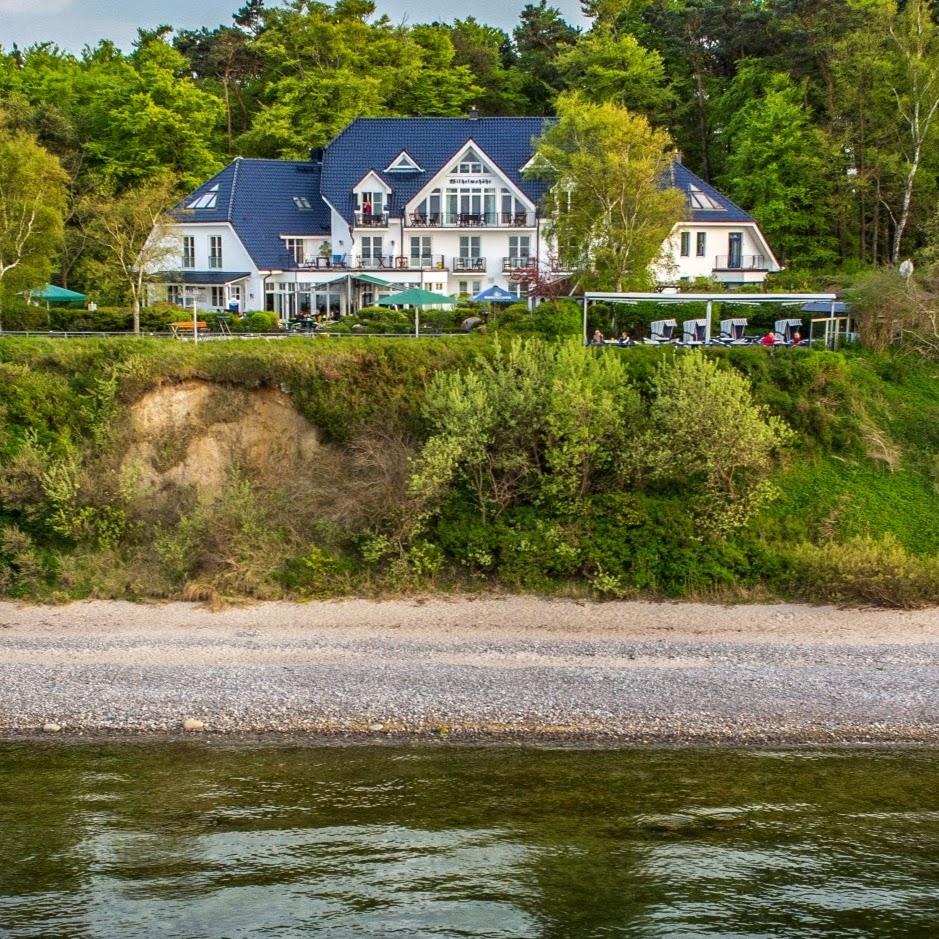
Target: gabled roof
[(263, 199), (682, 178), (373, 143)]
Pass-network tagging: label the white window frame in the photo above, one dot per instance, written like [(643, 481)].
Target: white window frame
[(216, 260)]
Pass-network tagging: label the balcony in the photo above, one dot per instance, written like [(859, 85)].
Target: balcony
[(509, 265), (471, 265), (741, 262), (371, 219), (471, 220), (335, 262)]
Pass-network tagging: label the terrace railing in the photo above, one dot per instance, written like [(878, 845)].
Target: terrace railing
[(471, 220), (741, 262), (475, 265), (371, 219)]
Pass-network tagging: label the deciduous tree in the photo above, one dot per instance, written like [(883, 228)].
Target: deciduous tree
[(609, 207)]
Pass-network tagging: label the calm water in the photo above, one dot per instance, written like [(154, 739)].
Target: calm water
[(192, 841)]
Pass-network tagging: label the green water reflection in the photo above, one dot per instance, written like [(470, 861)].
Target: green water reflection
[(196, 841)]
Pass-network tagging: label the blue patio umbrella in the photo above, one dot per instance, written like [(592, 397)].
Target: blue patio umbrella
[(495, 294)]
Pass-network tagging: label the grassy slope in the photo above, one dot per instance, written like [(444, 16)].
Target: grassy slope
[(867, 461)]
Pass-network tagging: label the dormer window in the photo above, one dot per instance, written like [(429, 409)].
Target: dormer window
[(403, 163), (207, 200), (698, 199), (302, 203), (471, 162)]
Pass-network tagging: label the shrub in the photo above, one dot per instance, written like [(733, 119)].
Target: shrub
[(553, 319), (877, 572)]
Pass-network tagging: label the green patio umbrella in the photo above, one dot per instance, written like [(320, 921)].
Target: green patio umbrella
[(416, 297), (52, 294)]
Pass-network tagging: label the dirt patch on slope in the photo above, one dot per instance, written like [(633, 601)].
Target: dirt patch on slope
[(195, 433)]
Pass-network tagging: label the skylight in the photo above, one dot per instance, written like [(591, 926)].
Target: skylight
[(698, 199), (302, 203), (207, 200)]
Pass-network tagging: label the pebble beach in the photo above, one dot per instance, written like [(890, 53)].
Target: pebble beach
[(470, 669)]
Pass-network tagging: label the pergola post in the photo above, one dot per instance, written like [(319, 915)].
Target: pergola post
[(586, 338), (707, 323)]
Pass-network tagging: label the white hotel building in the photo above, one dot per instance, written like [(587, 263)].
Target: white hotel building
[(440, 203)]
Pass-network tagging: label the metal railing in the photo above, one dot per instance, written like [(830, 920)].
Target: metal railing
[(519, 264), (741, 262), (470, 220), (476, 265), (371, 219)]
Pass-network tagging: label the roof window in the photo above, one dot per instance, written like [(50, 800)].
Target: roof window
[(302, 203), (207, 200), (698, 199)]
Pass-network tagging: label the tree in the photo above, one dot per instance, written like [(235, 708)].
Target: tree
[(541, 37), (780, 168), (136, 234), (915, 42), (609, 205), (606, 67), (488, 53), (32, 206)]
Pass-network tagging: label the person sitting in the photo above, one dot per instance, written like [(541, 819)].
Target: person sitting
[(769, 340), (597, 338), (624, 339), (796, 338)]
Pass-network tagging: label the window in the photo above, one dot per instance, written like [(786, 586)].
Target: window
[(463, 286), (296, 249), (207, 200), (469, 246), (735, 250), (685, 243), (370, 202), (302, 203), (215, 251), (420, 250), (477, 286), (218, 297), (371, 250), (698, 199), (189, 251), (520, 247), (471, 162), (174, 294), (702, 244)]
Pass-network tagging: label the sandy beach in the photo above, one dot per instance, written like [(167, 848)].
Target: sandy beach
[(514, 668)]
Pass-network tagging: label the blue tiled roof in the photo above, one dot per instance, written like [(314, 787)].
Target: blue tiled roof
[(257, 197), (682, 178), (202, 278), (371, 143)]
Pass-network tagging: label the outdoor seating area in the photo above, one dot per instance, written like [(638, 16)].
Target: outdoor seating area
[(694, 333)]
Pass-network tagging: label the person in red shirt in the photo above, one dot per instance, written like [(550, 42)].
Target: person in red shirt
[(769, 339)]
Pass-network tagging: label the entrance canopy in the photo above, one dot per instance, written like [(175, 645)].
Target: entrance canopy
[(709, 299), (200, 278)]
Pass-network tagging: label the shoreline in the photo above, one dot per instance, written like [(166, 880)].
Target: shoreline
[(509, 671)]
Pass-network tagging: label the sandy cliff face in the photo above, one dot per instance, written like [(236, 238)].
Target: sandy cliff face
[(195, 433)]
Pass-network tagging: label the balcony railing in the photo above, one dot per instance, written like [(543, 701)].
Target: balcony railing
[(476, 265), (470, 220), (371, 219), (332, 263), (741, 262), (518, 264), (382, 262)]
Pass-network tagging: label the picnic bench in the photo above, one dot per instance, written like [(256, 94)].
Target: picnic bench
[(184, 327)]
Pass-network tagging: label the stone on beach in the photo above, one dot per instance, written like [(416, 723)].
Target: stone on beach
[(192, 723)]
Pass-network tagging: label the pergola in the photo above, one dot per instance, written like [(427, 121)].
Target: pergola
[(742, 299)]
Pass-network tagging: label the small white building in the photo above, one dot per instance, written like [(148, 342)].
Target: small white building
[(390, 203)]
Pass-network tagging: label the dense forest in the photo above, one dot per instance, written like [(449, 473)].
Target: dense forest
[(819, 117)]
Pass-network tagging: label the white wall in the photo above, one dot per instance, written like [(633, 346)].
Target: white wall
[(717, 246)]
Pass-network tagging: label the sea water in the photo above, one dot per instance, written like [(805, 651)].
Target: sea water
[(195, 840)]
